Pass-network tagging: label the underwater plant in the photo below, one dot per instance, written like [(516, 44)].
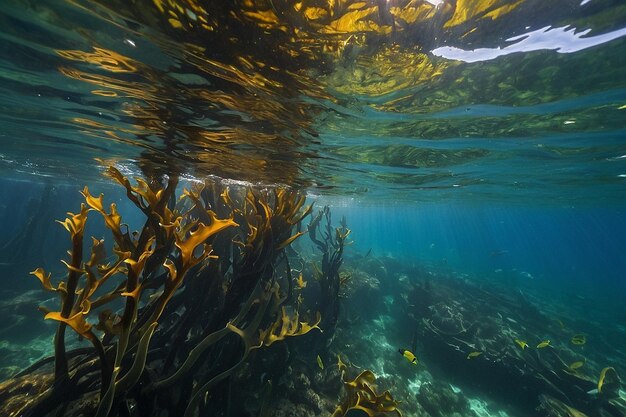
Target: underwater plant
[(361, 395), (331, 243), (177, 308)]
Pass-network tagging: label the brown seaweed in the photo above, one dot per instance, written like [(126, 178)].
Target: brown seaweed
[(159, 312), (361, 395)]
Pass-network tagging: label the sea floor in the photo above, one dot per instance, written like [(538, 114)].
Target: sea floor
[(483, 349)]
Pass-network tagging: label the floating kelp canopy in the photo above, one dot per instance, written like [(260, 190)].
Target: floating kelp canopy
[(275, 91), (260, 90)]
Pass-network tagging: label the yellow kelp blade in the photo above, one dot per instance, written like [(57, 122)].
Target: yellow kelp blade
[(288, 241), (301, 282), (199, 236), (45, 279), (112, 220), (75, 223), (341, 365), (76, 322)]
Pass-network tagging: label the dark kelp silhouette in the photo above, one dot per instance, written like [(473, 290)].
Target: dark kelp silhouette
[(331, 243), (175, 311)]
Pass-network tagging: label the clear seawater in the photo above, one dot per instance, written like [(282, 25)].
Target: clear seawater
[(479, 142)]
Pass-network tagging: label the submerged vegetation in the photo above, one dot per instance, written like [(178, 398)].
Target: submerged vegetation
[(269, 91), (229, 300), (181, 303), (361, 395), (331, 243)]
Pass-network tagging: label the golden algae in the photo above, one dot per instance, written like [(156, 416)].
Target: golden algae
[(175, 257), (468, 10), (390, 69), (105, 59), (361, 395)]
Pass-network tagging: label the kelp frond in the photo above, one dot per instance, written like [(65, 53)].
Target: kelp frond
[(361, 395), (75, 223), (286, 326)]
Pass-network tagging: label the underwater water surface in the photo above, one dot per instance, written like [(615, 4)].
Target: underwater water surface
[(313, 208)]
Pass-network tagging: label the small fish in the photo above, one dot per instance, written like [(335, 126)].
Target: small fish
[(527, 275), (543, 344), (408, 355), (560, 323), (576, 365), (579, 339), (602, 376), (319, 362), (301, 282), (472, 355), (521, 344)]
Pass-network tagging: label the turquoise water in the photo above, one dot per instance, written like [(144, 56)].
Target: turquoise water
[(477, 150)]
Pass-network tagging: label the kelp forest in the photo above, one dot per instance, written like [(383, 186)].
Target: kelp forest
[(174, 316), (312, 208), (223, 299)]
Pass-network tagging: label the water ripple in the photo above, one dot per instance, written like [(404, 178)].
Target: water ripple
[(340, 97)]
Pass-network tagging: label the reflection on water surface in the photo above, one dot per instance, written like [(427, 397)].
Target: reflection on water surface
[(366, 98)]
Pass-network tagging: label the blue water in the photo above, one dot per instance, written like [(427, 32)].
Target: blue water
[(575, 249), (475, 149), (578, 250)]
